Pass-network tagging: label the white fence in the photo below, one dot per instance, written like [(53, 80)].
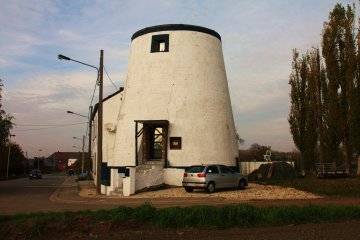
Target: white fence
[(249, 167)]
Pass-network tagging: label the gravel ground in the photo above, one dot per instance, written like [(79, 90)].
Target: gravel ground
[(252, 192)]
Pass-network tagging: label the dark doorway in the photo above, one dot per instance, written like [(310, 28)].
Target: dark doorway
[(154, 134), (156, 143)]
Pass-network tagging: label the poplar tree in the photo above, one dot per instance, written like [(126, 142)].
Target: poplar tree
[(355, 103), (329, 93), (311, 105), (338, 48), (298, 108), (305, 117), (5, 122)]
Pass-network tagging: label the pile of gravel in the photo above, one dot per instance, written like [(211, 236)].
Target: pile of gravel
[(279, 170)]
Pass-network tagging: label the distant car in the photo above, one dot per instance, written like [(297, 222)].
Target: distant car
[(211, 177), (36, 173)]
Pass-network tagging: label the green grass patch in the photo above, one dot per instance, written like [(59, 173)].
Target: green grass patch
[(241, 215), (339, 187)]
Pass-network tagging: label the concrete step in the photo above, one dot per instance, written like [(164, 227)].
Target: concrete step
[(154, 162), (113, 193), (144, 168), (117, 192), (147, 167)]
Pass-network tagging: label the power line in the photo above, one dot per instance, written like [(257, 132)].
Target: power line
[(48, 127), (116, 88), (96, 83)]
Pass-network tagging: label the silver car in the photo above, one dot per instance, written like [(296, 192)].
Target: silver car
[(211, 177)]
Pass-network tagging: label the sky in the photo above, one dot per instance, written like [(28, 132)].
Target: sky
[(257, 39)]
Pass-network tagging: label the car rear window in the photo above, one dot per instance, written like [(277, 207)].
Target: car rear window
[(195, 169)]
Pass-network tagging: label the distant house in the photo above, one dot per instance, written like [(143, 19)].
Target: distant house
[(174, 111), (58, 161)]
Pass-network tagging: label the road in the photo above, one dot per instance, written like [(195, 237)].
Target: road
[(26, 196), (58, 192)]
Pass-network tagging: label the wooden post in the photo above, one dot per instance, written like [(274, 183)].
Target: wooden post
[(100, 125), (136, 143)]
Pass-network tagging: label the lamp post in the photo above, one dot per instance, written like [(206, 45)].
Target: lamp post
[(39, 159), (82, 148), (90, 127), (100, 115), (8, 161), (54, 162)]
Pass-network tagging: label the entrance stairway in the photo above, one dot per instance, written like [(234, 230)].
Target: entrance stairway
[(148, 165), (149, 174)]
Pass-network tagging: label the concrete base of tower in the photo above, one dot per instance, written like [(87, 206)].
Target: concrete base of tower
[(141, 178)]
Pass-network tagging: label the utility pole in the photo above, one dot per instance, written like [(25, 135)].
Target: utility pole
[(39, 159), (100, 125), (90, 138), (82, 156), (8, 161)]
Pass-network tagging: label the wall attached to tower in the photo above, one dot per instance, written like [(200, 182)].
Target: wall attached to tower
[(176, 75)]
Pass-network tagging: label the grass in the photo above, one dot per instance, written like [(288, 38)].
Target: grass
[(337, 187), (241, 215)]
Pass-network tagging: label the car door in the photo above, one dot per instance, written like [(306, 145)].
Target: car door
[(213, 174), (226, 176)]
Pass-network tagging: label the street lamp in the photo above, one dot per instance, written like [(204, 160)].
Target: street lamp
[(62, 57), (8, 162), (100, 115), (39, 159), (82, 157), (90, 126), (77, 114)]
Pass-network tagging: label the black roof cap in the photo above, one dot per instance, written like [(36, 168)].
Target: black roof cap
[(175, 27)]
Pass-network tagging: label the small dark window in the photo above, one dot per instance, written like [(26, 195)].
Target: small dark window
[(175, 143), (160, 43)]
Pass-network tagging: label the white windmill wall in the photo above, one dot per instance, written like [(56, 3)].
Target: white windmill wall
[(111, 108), (186, 86)]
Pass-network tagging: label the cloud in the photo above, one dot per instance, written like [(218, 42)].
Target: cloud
[(257, 38), (68, 34), (270, 132)]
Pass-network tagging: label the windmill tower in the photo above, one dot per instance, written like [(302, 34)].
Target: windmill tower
[(176, 108)]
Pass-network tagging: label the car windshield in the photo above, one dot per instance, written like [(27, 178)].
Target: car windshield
[(35, 171), (195, 169)]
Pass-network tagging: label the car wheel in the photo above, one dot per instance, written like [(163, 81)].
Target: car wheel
[(242, 184), (189, 189), (210, 187)]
